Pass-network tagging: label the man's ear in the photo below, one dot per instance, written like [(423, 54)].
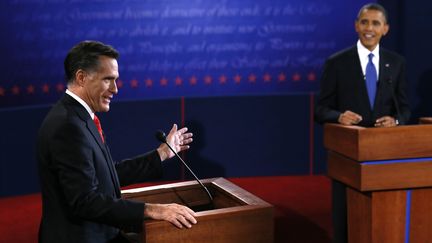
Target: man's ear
[(386, 29), (356, 27), (80, 77)]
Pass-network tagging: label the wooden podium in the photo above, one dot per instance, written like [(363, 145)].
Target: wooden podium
[(235, 215), (425, 120), (388, 173)]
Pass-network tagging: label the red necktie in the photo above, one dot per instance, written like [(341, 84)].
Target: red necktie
[(99, 127)]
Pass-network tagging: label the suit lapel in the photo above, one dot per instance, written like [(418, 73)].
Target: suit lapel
[(359, 78), (385, 68), (95, 133), (85, 116), (384, 77)]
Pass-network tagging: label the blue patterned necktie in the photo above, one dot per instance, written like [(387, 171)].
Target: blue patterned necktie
[(371, 80)]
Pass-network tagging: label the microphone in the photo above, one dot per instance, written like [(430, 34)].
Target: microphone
[(395, 101), (160, 135)]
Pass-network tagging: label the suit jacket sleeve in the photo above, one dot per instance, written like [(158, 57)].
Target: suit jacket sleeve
[(74, 160), (401, 96), (143, 167), (325, 110)]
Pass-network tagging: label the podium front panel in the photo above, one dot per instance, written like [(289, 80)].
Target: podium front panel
[(380, 175), (235, 215)]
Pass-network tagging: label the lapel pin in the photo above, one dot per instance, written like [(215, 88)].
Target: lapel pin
[(387, 65)]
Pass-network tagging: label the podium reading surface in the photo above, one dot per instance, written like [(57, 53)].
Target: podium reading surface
[(234, 216)]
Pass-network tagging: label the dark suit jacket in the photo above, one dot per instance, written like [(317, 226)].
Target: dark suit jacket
[(80, 183), (343, 88)]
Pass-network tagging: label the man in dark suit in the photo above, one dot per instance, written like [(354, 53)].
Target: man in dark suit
[(363, 85), (80, 182)]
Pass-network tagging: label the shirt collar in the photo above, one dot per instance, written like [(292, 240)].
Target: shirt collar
[(82, 102), (364, 52)]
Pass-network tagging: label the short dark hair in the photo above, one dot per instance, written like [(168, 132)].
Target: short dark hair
[(85, 56), (374, 6)]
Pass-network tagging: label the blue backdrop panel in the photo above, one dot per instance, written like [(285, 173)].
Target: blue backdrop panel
[(18, 168), (131, 127), (174, 48), (233, 136), (255, 135)]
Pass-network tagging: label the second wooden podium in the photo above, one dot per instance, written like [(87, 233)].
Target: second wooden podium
[(388, 173), (234, 216)]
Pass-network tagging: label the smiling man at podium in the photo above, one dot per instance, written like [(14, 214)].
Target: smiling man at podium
[(363, 85)]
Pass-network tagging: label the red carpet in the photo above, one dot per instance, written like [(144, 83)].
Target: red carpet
[(302, 209)]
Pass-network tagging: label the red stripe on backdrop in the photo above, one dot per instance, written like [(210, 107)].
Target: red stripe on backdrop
[(311, 133), (182, 124)]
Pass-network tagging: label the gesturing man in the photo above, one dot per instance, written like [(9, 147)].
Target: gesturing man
[(80, 182)]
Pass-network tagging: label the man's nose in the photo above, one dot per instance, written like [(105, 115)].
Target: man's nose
[(113, 87)]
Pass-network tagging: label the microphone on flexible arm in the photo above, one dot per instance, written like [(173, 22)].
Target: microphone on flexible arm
[(160, 135), (399, 120)]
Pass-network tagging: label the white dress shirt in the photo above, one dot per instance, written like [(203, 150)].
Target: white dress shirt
[(82, 102), (363, 53)]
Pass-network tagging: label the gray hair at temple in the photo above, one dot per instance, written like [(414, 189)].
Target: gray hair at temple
[(85, 56)]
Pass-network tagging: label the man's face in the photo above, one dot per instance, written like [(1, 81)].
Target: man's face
[(371, 26), (100, 85)]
